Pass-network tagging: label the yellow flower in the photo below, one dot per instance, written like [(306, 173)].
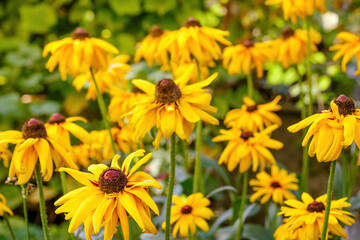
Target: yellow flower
[(3, 207), (5, 153), (105, 78), (301, 8), (61, 127), (242, 58), (33, 144), (348, 46), (332, 129), (77, 54), (309, 215), (282, 234), (110, 194), (290, 48), (122, 102), (179, 69), (172, 106), (252, 117), (276, 185), (245, 148), (124, 137), (194, 41), (188, 213), (150, 46), (83, 153)]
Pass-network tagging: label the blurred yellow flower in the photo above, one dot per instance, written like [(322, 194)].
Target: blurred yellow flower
[(298, 8), (348, 47), (3, 207), (114, 75), (332, 130), (282, 234), (275, 186), (241, 58), (5, 153), (110, 194), (189, 213), (33, 144), (252, 117), (290, 48), (179, 69), (245, 148), (77, 54), (173, 107), (309, 215)]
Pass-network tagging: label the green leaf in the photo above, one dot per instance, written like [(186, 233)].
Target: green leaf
[(44, 108), (324, 82), (131, 8), (318, 58), (159, 6), (8, 103), (38, 18), (25, 56), (19, 228), (12, 195), (275, 75), (290, 77), (126, 43), (220, 189), (256, 232)]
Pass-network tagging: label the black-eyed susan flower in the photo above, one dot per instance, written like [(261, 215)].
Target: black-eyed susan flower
[(3, 207), (77, 54), (178, 69), (109, 195), (253, 117), (298, 8), (242, 58), (33, 144), (172, 106), (246, 147), (149, 49), (114, 75), (275, 186), (332, 130), (124, 137), (308, 215), (348, 47), (194, 41), (189, 213), (282, 234), (61, 127), (5, 153), (290, 48)]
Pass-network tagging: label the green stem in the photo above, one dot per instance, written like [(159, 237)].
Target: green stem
[(242, 205), (308, 65), (42, 202), (170, 188), (103, 111), (9, 226), (24, 198), (185, 155), (328, 200), (353, 174), (197, 187), (250, 85), (346, 176), (274, 222)]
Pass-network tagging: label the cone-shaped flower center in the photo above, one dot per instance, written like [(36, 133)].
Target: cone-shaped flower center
[(112, 180), (275, 184), (246, 135), (287, 32), (156, 31), (346, 105), (315, 207), (80, 33), (186, 209), (167, 91), (248, 44), (251, 108), (192, 22), (56, 118), (34, 129)]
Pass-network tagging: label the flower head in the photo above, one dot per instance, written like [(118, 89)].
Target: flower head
[(77, 54), (3, 207), (332, 129), (246, 147), (275, 186), (348, 46), (110, 194), (114, 75), (33, 144), (178, 69), (309, 214), (242, 58), (188, 213), (5, 153), (252, 117), (172, 106)]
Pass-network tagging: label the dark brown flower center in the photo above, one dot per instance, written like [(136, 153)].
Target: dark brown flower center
[(136, 90), (80, 34), (156, 31), (56, 118), (34, 129), (192, 22), (275, 184), (316, 207), (346, 105), (287, 32), (251, 108), (112, 180), (186, 209), (167, 91), (248, 44), (246, 135)]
